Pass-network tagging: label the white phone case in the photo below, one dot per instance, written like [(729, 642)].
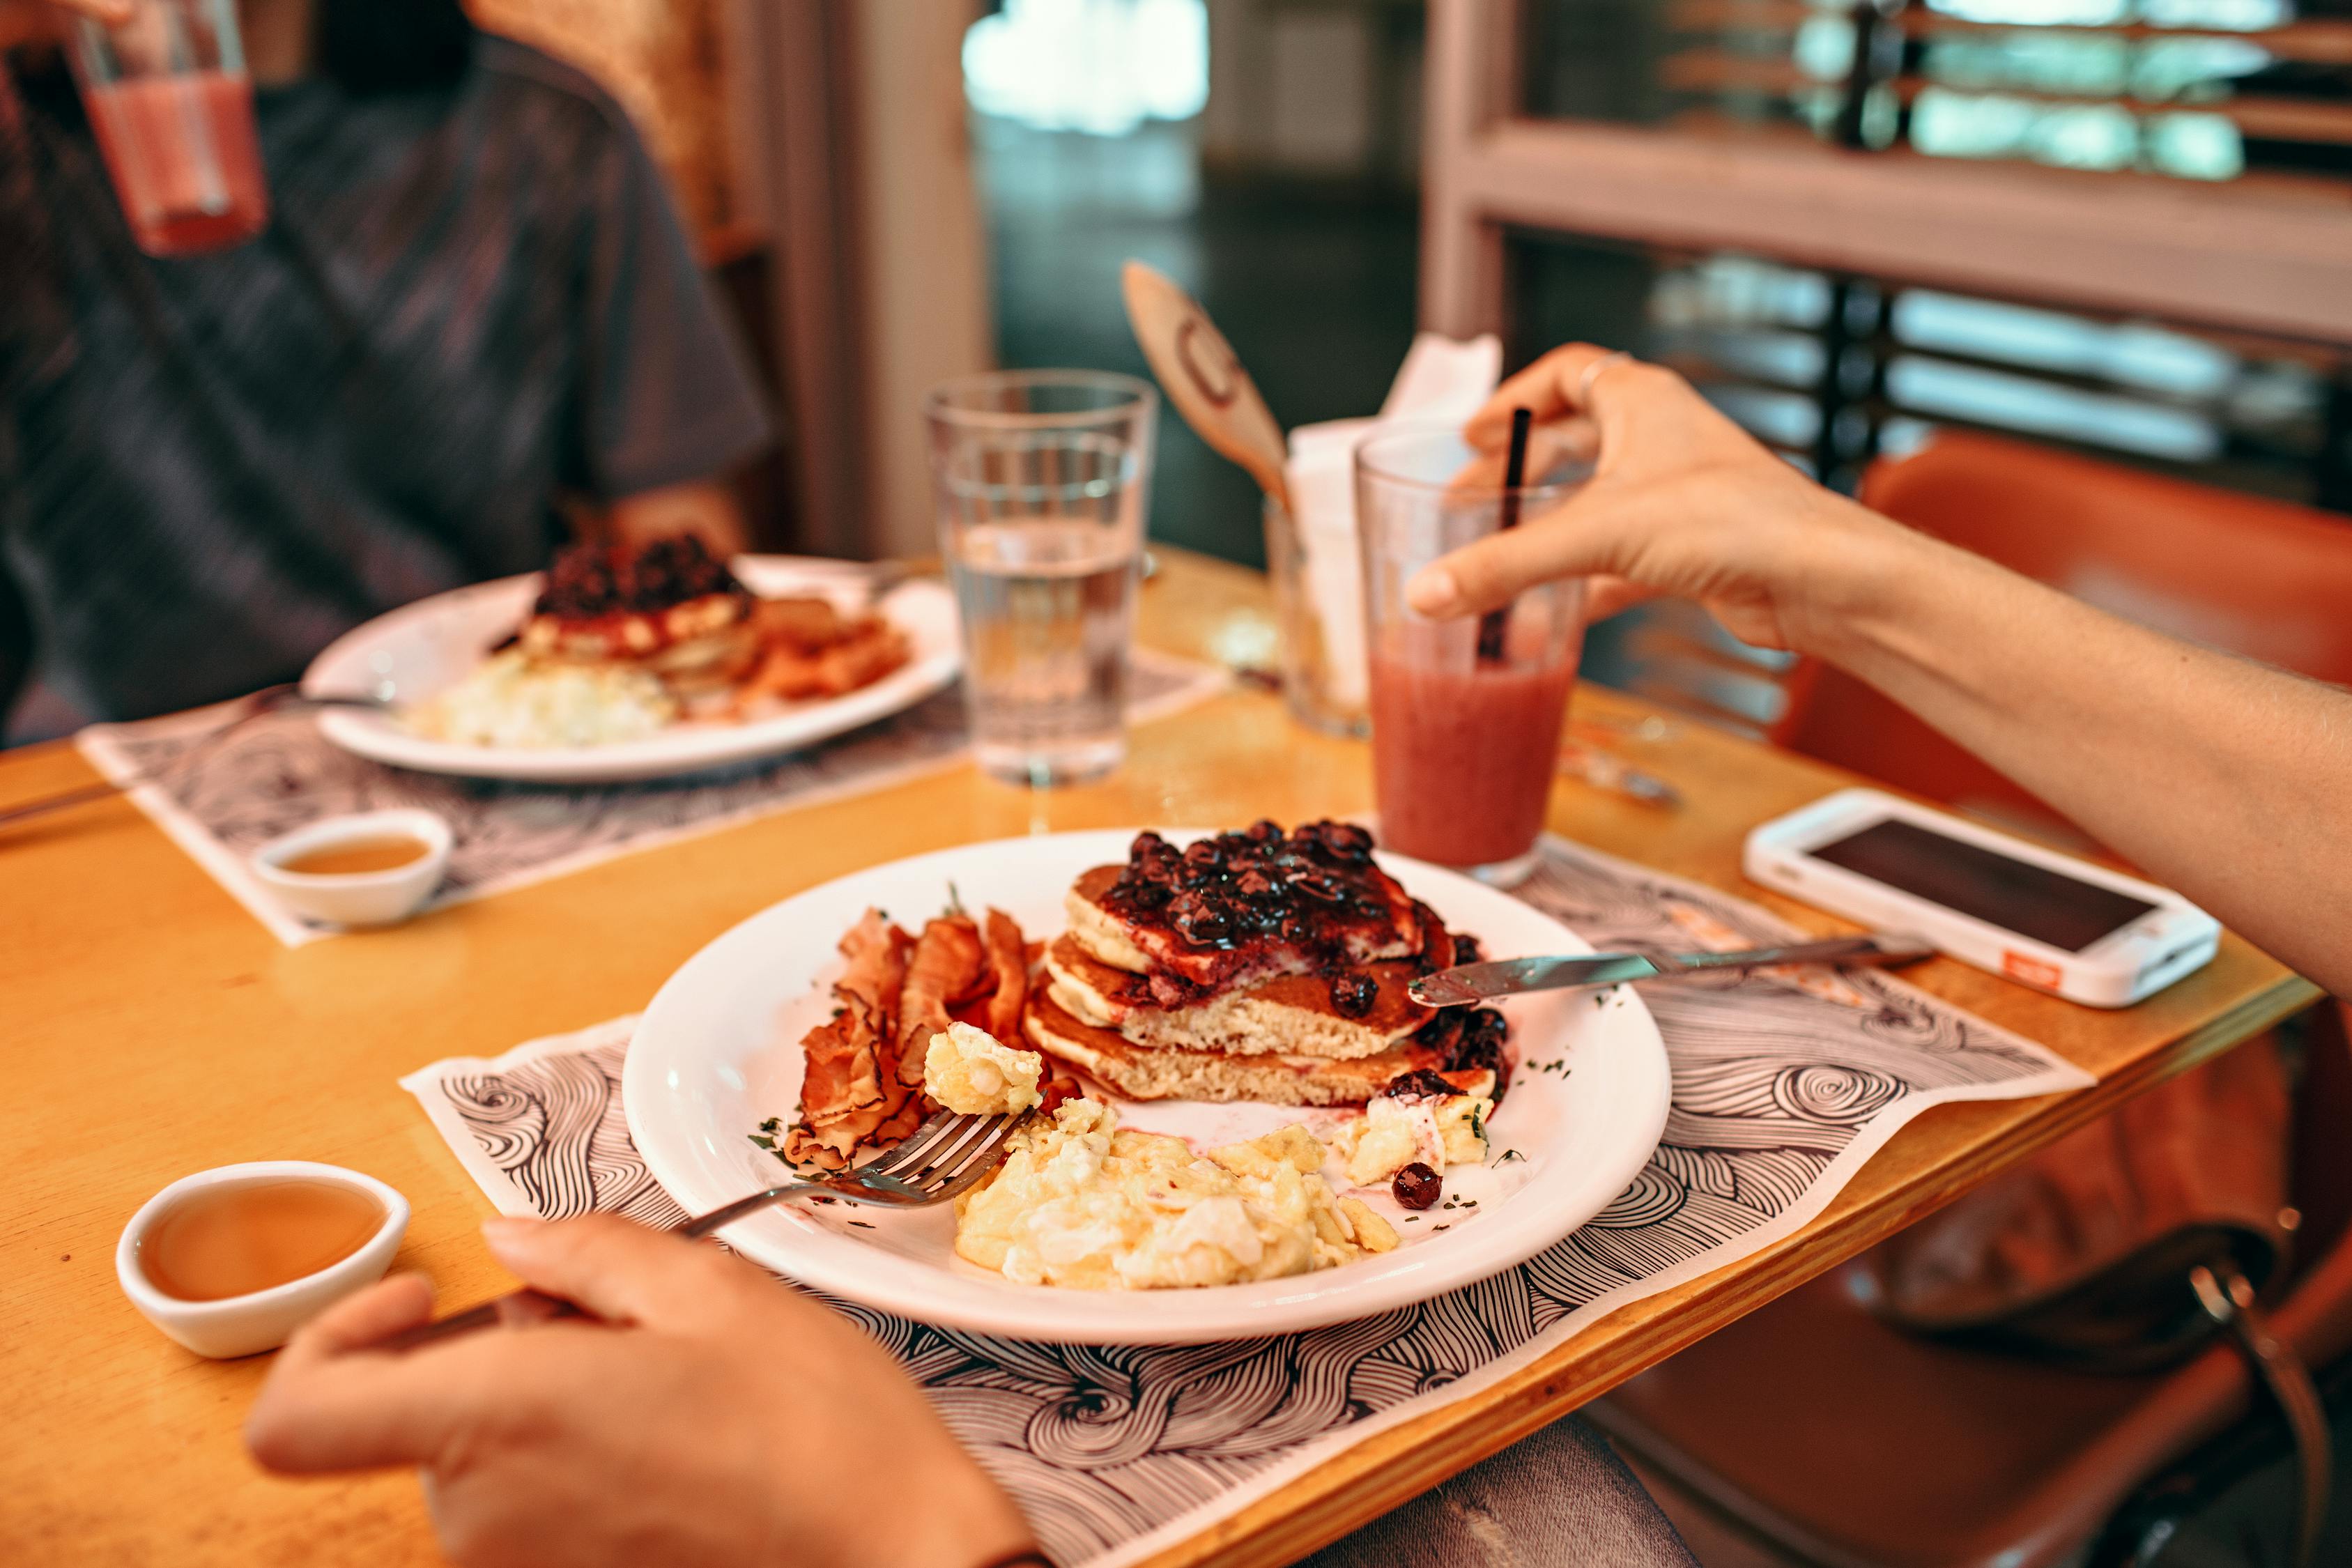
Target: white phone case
[(2173, 938)]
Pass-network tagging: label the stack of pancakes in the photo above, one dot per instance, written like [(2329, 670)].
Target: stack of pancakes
[(668, 606), (1253, 966)]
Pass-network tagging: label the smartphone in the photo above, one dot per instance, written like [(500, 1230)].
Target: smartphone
[(2028, 914)]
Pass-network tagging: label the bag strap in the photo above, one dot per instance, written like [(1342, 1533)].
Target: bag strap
[(2227, 1298)]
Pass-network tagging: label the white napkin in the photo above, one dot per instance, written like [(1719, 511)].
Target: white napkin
[(1441, 379)]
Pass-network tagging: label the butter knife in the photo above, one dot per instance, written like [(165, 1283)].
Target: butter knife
[(1469, 982)]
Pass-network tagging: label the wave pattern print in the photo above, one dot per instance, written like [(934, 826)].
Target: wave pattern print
[(1773, 1080), (555, 1126)]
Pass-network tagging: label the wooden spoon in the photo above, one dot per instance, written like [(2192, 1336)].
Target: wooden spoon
[(1203, 377)]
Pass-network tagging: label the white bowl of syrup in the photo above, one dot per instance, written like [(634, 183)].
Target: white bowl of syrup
[(372, 868), (231, 1261)]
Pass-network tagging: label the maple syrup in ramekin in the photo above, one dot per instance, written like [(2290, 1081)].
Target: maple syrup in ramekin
[(237, 1237)]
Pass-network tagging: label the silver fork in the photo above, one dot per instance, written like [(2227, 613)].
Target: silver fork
[(870, 581), (942, 1159), (270, 700)]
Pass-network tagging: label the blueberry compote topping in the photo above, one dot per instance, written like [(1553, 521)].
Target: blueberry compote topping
[(587, 580), (1309, 890), (1470, 1039), (1245, 902)]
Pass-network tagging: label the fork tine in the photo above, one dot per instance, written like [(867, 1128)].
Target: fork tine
[(942, 1158), (885, 1190), (938, 1152), (918, 1145), (981, 1164), (977, 1158), (998, 1136)]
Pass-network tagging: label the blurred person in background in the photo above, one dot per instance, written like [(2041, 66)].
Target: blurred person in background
[(473, 327)]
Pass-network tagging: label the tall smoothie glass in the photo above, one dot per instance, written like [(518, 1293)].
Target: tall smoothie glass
[(1042, 479), (171, 107), (1466, 739)]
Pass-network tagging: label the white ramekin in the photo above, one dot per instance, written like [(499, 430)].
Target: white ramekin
[(262, 1319), (361, 897)]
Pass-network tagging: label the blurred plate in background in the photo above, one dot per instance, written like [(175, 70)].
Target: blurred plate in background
[(422, 649)]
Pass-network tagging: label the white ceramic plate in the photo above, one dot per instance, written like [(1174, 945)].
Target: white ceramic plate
[(719, 1051), (421, 648)]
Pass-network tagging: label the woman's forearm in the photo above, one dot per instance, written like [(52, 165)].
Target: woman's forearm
[(2224, 779), (2227, 781)]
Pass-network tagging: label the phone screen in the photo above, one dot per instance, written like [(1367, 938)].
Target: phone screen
[(2031, 901)]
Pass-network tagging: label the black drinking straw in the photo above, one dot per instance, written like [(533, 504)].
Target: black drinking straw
[(1495, 623)]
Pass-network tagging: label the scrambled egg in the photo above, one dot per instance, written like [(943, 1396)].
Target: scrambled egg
[(509, 700), (966, 1071), (1397, 1130), (1082, 1203)]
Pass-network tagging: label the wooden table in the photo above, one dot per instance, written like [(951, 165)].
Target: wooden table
[(153, 1028)]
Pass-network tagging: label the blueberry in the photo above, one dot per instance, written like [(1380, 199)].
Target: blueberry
[(1353, 994), (1417, 1186), (1418, 1081), (1316, 886), (1204, 929)]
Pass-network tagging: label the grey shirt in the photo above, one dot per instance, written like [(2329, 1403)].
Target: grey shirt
[(468, 304)]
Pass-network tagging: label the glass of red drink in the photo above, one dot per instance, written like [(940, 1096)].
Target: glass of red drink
[(171, 107), (1465, 726)]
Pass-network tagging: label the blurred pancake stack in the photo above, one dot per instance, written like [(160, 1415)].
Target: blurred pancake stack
[(669, 607)]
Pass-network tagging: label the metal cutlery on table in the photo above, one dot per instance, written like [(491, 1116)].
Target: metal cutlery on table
[(941, 1159), (1469, 982), (1604, 769), (270, 700), (870, 582)]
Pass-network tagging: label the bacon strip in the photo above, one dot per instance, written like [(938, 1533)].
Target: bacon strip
[(847, 1091), (862, 1090), (1008, 962), (806, 661), (947, 969)]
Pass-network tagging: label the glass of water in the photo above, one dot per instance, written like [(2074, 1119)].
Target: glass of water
[(1043, 478)]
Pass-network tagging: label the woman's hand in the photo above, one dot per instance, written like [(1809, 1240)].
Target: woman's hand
[(713, 1418), (2221, 778), (1682, 502)]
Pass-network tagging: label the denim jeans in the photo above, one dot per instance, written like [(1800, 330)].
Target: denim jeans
[(1561, 1498)]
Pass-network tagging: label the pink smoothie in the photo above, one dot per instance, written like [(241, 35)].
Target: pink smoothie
[(1463, 757), (186, 167)]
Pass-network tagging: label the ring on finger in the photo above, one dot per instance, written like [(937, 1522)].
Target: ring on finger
[(1592, 373)]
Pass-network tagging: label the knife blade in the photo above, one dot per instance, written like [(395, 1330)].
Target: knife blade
[(1469, 983)]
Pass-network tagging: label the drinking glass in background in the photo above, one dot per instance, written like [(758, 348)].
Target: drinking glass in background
[(171, 107), (1043, 478), (1464, 746), (1319, 612)]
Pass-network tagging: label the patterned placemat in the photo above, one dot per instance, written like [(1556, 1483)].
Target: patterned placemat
[(279, 772), (1783, 1085)]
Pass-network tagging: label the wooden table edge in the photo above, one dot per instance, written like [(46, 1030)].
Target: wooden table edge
[(1397, 1464)]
